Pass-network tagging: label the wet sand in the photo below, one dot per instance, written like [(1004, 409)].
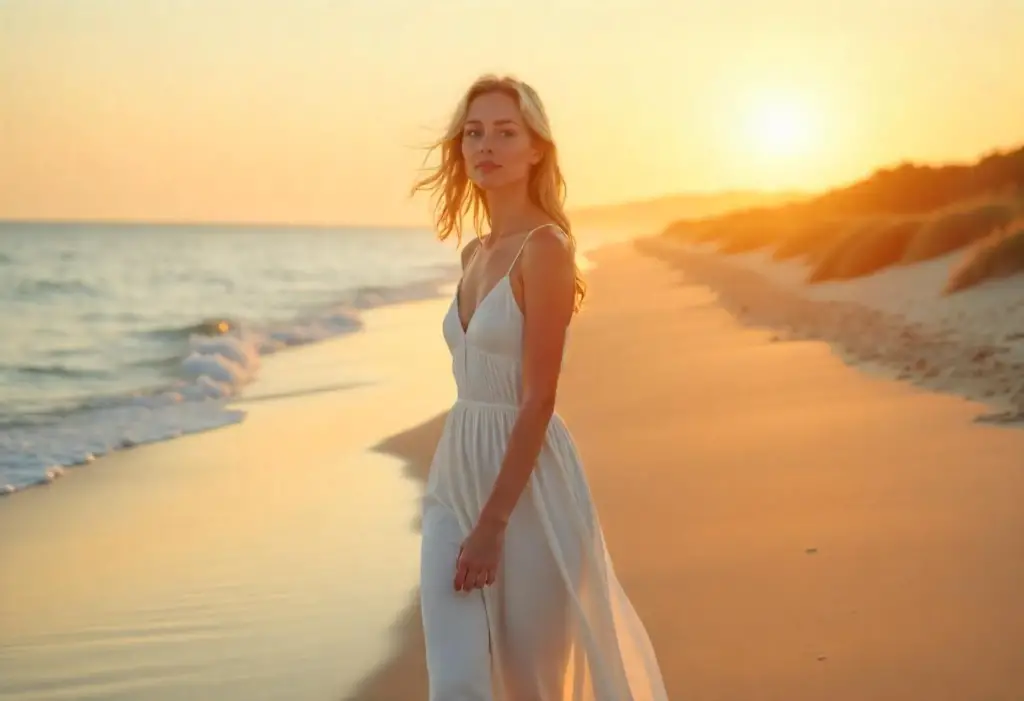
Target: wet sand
[(264, 560)]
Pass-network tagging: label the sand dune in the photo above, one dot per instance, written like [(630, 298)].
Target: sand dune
[(898, 320)]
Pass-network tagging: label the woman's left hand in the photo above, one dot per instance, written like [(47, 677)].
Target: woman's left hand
[(477, 564)]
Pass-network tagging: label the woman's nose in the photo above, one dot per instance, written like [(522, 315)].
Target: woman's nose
[(485, 143)]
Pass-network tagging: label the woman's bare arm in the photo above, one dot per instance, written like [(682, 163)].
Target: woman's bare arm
[(548, 272)]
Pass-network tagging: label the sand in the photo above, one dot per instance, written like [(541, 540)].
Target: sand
[(897, 321), (788, 526), (266, 560)]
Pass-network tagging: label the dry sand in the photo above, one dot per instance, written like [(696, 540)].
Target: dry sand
[(788, 527), (970, 343)]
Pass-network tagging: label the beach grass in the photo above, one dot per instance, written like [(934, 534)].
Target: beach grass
[(895, 217), (998, 255)]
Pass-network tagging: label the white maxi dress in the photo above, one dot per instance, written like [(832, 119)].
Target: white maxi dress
[(556, 625)]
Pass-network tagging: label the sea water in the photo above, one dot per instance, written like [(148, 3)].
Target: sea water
[(113, 335)]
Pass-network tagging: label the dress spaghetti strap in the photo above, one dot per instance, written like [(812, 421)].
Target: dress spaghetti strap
[(523, 245)]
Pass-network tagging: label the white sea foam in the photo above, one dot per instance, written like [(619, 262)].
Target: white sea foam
[(216, 358)]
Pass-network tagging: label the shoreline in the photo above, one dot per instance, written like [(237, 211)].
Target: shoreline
[(414, 447), (138, 365), (246, 560), (162, 412)]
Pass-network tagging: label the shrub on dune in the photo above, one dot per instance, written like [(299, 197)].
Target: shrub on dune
[(827, 259), (743, 239), (947, 232), (824, 247), (807, 240), (685, 229), (752, 232), (679, 229), (712, 233), (867, 251), (999, 255)]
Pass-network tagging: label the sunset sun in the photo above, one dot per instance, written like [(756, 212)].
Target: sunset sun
[(779, 126)]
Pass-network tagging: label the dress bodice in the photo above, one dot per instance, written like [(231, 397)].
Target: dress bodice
[(487, 354)]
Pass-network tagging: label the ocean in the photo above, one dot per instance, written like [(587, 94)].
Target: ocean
[(115, 335)]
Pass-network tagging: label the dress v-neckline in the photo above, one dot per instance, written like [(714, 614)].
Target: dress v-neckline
[(465, 327)]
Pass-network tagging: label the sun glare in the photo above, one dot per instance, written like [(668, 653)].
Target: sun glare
[(779, 127)]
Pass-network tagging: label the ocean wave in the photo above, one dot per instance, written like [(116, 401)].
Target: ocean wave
[(213, 326), (47, 288), (60, 371), (218, 356)]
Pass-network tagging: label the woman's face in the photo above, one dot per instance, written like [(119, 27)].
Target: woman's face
[(496, 144)]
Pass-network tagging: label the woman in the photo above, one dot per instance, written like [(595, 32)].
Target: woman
[(520, 601)]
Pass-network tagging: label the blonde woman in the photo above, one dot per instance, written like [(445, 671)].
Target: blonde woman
[(520, 601)]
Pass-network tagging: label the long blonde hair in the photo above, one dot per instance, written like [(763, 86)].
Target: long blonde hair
[(455, 195)]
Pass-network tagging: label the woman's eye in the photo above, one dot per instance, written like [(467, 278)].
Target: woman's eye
[(476, 133)]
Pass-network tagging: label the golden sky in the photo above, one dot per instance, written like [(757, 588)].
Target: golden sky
[(311, 110)]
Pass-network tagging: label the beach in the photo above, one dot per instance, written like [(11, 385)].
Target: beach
[(787, 524), (899, 321), (264, 560)]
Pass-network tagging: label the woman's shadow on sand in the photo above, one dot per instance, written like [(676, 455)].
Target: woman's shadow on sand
[(404, 675)]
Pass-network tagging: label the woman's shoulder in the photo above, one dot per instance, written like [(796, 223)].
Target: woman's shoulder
[(469, 250), (548, 239), (548, 251)]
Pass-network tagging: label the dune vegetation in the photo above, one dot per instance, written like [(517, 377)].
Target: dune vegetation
[(996, 256), (897, 216)]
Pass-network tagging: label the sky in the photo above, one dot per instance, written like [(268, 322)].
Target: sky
[(315, 111)]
